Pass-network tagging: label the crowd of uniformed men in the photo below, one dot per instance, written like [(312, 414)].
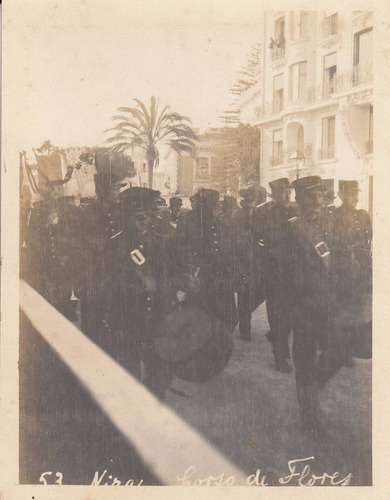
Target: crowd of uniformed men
[(139, 276)]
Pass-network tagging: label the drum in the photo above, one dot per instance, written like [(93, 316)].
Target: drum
[(196, 342)]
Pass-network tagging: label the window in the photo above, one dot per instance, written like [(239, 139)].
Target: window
[(330, 25), (144, 167), (298, 24), (277, 148), (202, 171), (369, 142), (328, 138), (278, 93), (330, 69), (279, 28), (298, 81), (278, 42), (363, 55)]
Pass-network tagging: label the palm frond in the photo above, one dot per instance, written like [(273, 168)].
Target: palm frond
[(161, 119), (136, 113), (182, 148), (180, 130), (144, 114)]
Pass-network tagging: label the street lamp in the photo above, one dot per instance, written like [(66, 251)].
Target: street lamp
[(299, 161)]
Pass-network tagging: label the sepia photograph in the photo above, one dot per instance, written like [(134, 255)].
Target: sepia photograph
[(193, 203)]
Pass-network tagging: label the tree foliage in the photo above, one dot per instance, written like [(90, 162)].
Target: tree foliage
[(239, 161), (245, 80), (150, 129), (47, 147)]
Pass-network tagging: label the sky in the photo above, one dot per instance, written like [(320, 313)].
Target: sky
[(77, 62)]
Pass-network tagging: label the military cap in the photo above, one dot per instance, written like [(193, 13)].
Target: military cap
[(136, 198), (305, 183), (328, 187), (279, 184), (206, 196), (348, 186), (253, 192), (175, 201), (229, 201), (157, 199)]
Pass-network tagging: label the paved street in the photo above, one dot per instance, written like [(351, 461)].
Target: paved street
[(249, 412)]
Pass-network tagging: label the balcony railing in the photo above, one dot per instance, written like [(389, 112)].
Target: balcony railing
[(326, 153), (301, 152), (275, 160), (277, 53), (328, 89), (202, 174), (361, 75), (315, 94)]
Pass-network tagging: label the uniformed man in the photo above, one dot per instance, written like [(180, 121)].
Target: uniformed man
[(228, 208), (50, 254), (311, 287), (271, 229), (175, 205), (354, 235), (207, 254), (99, 229), (132, 285), (329, 196), (249, 259), (356, 223), (148, 278)]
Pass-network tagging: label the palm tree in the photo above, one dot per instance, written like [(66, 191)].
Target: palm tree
[(152, 129)]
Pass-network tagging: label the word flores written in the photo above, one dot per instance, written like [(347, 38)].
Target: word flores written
[(299, 474)]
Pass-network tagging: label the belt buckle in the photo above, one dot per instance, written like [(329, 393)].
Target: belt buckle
[(322, 249), (137, 257)]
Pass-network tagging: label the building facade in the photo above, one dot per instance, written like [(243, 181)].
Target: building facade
[(208, 170), (314, 97)]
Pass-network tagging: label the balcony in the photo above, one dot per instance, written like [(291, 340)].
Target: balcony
[(274, 161), (361, 75), (300, 152), (277, 53), (326, 153), (321, 93)]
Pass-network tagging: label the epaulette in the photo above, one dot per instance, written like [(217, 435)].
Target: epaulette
[(293, 220)]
